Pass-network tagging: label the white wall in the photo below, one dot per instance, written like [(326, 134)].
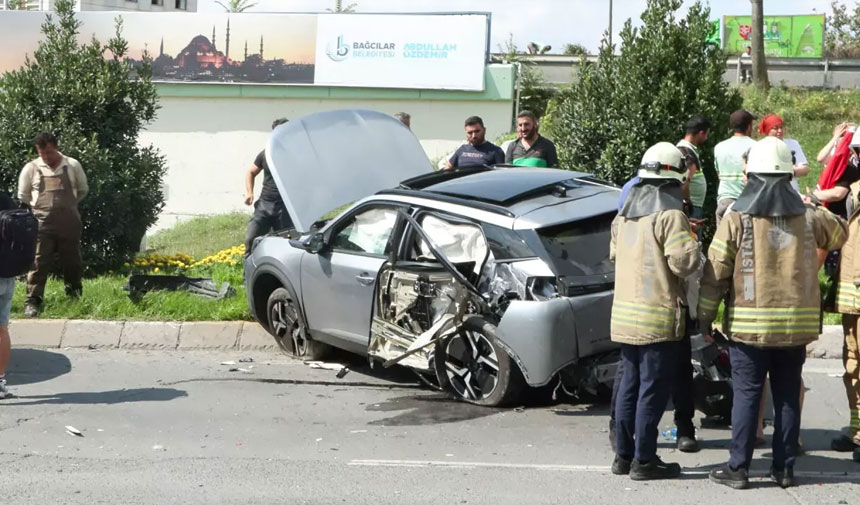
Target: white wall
[(210, 142)]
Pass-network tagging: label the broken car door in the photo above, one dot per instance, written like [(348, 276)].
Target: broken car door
[(418, 296)]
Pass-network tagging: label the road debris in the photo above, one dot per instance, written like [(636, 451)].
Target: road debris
[(246, 360), (322, 365), (158, 448), (358, 431), (343, 371), (71, 430), (230, 363)]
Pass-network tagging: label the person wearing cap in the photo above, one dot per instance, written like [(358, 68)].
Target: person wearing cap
[(773, 126), (728, 160), (763, 262), (654, 249), (848, 304), (270, 213)]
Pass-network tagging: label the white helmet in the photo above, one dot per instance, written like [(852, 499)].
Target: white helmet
[(663, 161), (770, 156)]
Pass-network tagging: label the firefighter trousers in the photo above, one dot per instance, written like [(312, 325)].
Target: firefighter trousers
[(851, 377)]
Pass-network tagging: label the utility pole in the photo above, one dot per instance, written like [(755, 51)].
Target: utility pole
[(610, 23), (759, 63)]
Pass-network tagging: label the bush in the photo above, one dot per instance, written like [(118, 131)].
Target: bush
[(842, 38), (96, 106), (665, 72)]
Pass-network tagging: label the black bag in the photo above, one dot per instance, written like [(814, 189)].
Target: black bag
[(18, 231)]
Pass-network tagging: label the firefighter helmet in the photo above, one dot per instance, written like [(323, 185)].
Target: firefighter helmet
[(663, 161)]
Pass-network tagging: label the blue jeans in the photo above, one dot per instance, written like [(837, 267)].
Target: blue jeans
[(649, 371), (750, 365)]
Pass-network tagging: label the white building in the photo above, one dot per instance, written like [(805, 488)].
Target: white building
[(109, 5)]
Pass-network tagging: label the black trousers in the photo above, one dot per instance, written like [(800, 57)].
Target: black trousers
[(750, 365), (649, 371), (268, 215), (682, 390)]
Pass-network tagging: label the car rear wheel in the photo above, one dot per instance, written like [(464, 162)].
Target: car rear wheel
[(287, 325), (473, 367)]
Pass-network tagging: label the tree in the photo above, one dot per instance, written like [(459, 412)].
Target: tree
[(340, 9), (664, 73), (759, 61), (575, 50), (842, 38), (236, 5), (534, 90), (92, 98)]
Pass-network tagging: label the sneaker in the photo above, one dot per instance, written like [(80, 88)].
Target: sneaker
[(688, 444), (843, 443), (785, 478), (735, 479), (654, 469), (621, 466), (31, 310)]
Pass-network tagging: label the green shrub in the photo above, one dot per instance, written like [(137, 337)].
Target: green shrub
[(664, 73), (97, 107)]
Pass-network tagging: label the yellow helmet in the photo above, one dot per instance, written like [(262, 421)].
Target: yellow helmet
[(770, 155), (663, 161)]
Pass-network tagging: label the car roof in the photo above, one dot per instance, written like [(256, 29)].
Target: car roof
[(535, 197)]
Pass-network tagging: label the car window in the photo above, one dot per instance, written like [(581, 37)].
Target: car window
[(367, 232), (506, 244)]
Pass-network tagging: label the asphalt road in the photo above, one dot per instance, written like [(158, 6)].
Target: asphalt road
[(171, 427)]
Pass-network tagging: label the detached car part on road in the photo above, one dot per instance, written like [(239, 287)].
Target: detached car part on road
[(489, 279)]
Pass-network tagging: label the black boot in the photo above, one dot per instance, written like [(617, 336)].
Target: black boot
[(688, 443), (785, 478), (654, 469), (735, 479), (620, 466)]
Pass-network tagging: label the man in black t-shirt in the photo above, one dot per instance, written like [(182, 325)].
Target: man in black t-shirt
[(270, 213), (837, 195), (477, 151)]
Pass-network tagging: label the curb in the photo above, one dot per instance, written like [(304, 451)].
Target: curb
[(157, 335), (217, 335)]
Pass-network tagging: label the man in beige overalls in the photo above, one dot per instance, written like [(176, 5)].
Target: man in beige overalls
[(53, 185)]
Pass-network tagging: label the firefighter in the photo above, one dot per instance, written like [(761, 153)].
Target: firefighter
[(763, 256), (848, 304), (654, 249)]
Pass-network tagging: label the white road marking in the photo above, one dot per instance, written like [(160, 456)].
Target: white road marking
[(407, 463)]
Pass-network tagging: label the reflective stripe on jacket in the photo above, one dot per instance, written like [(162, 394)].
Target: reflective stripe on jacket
[(652, 255), (767, 268), (847, 290)]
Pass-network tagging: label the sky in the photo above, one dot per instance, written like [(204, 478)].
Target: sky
[(553, 22)]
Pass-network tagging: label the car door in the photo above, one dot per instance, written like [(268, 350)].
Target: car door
[(338, 283)]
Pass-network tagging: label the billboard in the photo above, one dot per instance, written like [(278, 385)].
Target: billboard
[(784, 36), (355, 50)]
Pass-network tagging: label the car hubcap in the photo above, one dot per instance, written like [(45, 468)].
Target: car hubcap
[(471, 365), (286, 325)]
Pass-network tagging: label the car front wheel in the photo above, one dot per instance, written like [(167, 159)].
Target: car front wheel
[(287, 325), (472, 366)]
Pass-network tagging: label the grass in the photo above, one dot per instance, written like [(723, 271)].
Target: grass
[(105, 299), (201, 236)]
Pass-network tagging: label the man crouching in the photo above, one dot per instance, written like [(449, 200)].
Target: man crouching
[(654, 249)]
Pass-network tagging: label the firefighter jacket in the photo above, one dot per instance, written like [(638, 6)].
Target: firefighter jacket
[(848, 287), (768, 266), (652, 254)]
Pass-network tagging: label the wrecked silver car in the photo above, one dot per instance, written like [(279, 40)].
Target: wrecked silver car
[(484, 280)]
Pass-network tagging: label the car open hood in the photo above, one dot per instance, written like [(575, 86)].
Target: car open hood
[(326, 160)]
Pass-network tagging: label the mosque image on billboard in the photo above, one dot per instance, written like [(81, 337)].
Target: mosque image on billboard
[(201, 60)]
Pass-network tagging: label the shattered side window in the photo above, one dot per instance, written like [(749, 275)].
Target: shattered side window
[(367, 232)]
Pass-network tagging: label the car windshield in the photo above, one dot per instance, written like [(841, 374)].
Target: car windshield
[(580, 248)]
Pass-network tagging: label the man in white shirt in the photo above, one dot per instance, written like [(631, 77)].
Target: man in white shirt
[(773, 126), (728, 159), (53, 185)]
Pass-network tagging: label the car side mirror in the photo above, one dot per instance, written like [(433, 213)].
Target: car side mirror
[(312, 244)]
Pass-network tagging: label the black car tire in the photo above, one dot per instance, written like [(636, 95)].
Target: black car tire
[(474, 368), (287, 325)]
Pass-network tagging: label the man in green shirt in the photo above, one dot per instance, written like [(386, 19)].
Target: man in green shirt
[(728, 159), (697, 131)]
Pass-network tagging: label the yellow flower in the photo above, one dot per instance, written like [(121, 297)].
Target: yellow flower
[(155, 269)]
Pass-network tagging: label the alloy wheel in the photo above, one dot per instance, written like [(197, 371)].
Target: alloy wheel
[(471, 365), (286, 324)]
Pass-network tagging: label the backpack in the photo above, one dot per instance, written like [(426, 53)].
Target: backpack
[(18, 231)]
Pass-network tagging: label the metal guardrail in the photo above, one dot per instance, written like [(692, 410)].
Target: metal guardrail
[(825, 72)]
